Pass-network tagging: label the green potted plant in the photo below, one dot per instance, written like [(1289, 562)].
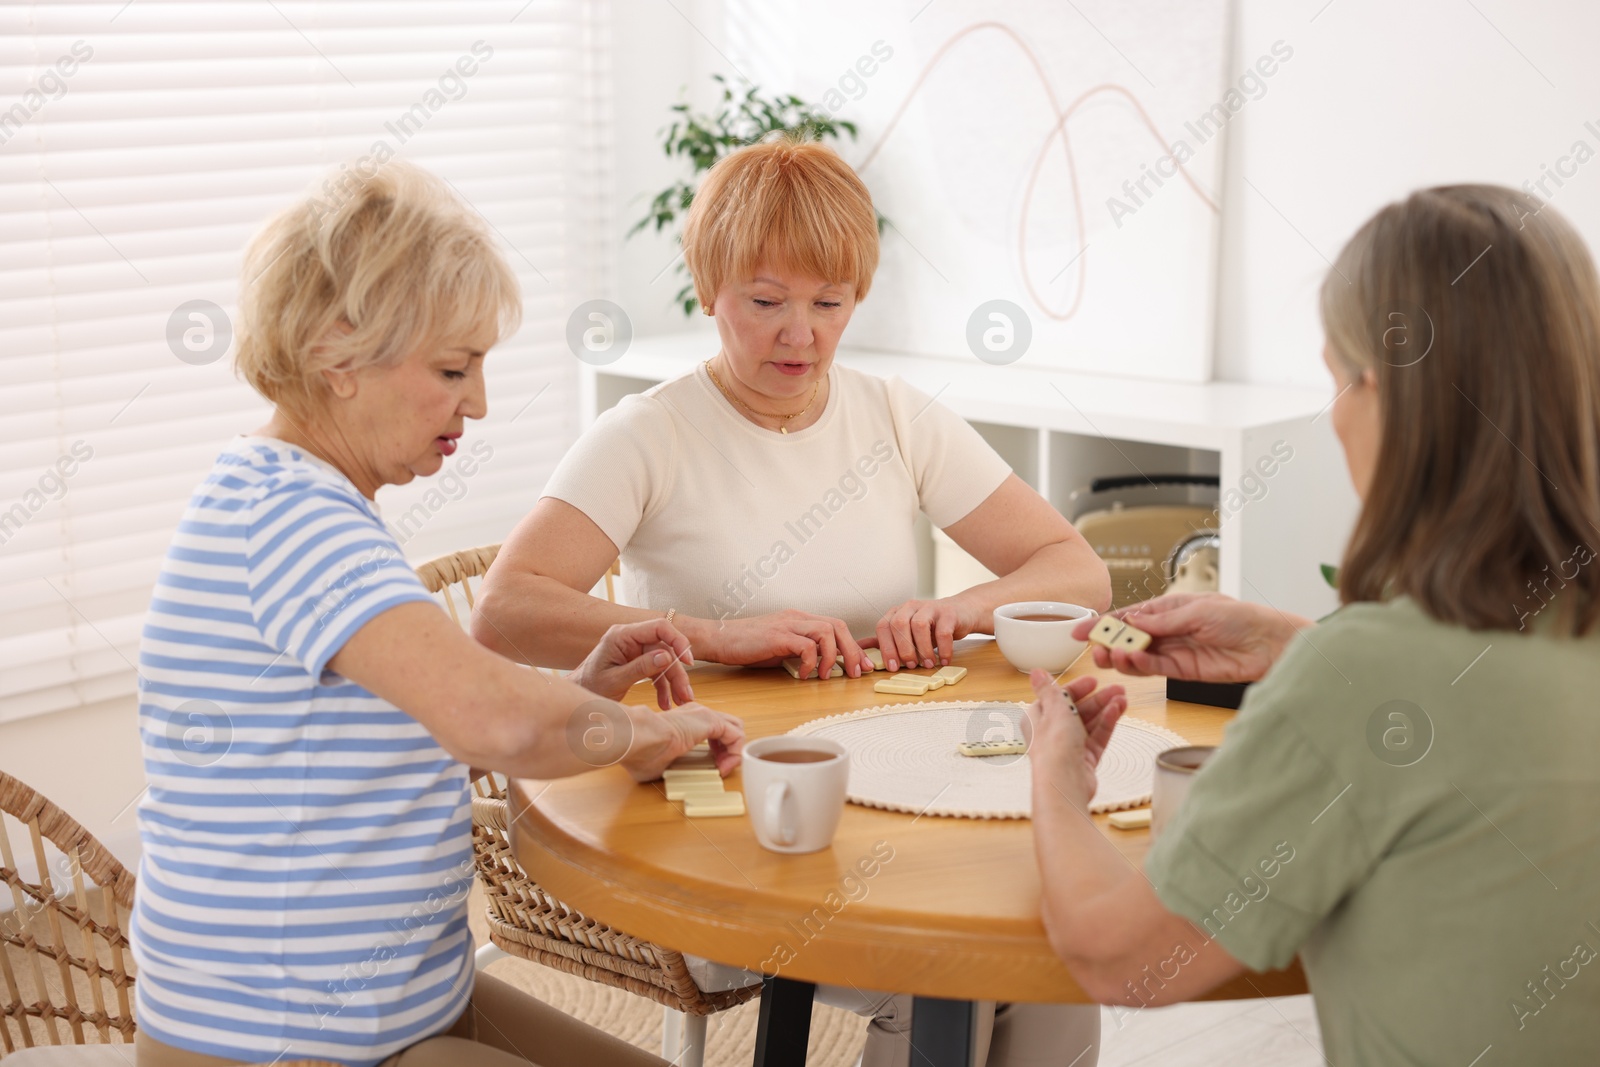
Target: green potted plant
[(704, 139)]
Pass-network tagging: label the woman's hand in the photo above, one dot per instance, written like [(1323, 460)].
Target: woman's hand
[(1202, 637), (633, 651), (1065, 748), (659, 739), (767, 640), (920, 633)]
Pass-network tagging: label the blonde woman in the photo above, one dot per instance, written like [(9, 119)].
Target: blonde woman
[(1407, 799), (309, 714), (766, 501)]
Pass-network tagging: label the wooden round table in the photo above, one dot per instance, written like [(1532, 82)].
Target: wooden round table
[(938, 907)]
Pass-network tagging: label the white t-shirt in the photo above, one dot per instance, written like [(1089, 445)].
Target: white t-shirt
[(719, 518)]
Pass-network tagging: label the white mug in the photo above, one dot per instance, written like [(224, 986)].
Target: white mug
[(1027, 643), (1175, 771), (795, 806)]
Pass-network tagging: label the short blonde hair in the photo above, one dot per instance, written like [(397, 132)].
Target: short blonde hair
[(382, 259), (1477, 309), (793, 204)]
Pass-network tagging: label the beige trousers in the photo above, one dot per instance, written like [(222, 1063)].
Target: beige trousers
[(502, 1027), (505, 1027)]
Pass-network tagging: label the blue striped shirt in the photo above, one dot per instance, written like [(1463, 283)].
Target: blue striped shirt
[(307, 845)]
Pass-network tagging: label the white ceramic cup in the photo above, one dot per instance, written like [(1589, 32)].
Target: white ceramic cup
[(1175, 771), (795, 807), (1026, 644)]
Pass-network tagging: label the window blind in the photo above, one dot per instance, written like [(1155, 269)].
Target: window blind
[(141, 145)]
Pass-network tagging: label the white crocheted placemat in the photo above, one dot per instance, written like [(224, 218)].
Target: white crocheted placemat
[(903, 758)]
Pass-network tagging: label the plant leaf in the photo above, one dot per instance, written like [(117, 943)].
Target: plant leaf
[(746, 116)]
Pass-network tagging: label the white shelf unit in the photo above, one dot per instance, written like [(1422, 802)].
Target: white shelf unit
[(1060, 430)]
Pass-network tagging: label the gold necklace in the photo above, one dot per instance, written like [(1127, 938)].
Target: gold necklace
[(784, 428)]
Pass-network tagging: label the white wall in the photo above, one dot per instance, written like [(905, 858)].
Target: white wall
[(1379, 99), (1382, 98), (87, 761), (657, 55)]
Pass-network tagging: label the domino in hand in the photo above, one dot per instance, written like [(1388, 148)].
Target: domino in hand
[(1112, 632)]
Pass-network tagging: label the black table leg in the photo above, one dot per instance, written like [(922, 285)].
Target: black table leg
[(784, 1027), (943, 1032)]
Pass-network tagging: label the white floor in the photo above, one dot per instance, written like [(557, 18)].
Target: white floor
[(1281, 1032)]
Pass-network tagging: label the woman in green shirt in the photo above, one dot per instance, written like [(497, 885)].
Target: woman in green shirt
[(1409, 799)]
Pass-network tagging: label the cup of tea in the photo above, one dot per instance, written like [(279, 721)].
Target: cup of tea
[(794, 789), (1175, 771), (1038, 633)]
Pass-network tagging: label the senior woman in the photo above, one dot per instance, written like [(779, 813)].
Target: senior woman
[(309, 714), (1407, 798), (765, 503), (766, 500)]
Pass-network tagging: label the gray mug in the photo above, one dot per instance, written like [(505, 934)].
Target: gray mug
[(1175, 771)]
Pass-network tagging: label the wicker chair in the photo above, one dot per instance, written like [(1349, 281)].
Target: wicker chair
[(527, 922), (64, 957), (80, 941)]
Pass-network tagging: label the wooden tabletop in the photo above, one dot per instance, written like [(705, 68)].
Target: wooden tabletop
[(953, 913)]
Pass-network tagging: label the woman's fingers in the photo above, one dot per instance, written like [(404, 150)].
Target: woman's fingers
[(903, 644), (666, 674), (724, 732), (674, 640), (1157, 617), (1142, 664), (1050, 723), (1173, 661), (827, 648), (676, 679), (944, 636), (1080, 688), (1099, 708), (855, 664), (884, 637), (1137, 664), (727, 743), (1104, 723), (791, 644), (1097, 705), (922, 634), (1050, 696), (1178, 620), (650, 633)]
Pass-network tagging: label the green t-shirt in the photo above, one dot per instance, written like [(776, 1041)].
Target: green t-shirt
[(1414, 809)]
